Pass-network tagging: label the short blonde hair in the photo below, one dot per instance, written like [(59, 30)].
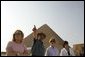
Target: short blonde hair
[(52, 40)]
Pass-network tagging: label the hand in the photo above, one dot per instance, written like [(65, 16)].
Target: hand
[(34, 31)]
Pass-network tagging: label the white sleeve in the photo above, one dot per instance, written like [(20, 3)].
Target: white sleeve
[(63, 53), (47, 52)]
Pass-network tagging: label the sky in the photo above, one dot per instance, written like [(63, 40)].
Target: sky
[(66, 18)]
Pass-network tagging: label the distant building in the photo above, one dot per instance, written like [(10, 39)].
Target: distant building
[(79, 49)]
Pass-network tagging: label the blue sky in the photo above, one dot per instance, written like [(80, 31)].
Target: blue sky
[(66, 18)]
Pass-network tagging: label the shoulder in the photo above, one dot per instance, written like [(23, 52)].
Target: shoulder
[(10, 42), (49, 48), (63, 49)]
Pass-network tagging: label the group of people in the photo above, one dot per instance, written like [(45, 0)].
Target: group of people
[(17, 48)]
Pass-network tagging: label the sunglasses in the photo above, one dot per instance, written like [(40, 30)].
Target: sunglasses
[(52, 41)]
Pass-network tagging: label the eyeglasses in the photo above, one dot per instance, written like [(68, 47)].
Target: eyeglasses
[(52, 41)]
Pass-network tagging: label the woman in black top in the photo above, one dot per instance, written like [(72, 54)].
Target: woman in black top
[(38, 47)]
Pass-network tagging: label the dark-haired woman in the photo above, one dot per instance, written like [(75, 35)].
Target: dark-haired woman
[(66, 50), (38, 47)]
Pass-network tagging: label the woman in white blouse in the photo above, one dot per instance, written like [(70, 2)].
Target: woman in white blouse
[(66, 51)]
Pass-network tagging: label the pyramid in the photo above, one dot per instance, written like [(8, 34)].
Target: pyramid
[(28, 41)]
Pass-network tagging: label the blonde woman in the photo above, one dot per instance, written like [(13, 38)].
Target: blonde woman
[(16, 47), (52, 50)]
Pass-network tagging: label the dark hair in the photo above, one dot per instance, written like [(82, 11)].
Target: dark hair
[(65, 43), (19, 32), (41, 34)]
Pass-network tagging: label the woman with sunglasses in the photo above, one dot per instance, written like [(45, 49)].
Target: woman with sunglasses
[(52, 50)]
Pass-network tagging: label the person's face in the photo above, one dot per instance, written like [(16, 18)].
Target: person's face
[(39, 37), (52, 43), (18, 37), (66, 46), (42, 37)]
